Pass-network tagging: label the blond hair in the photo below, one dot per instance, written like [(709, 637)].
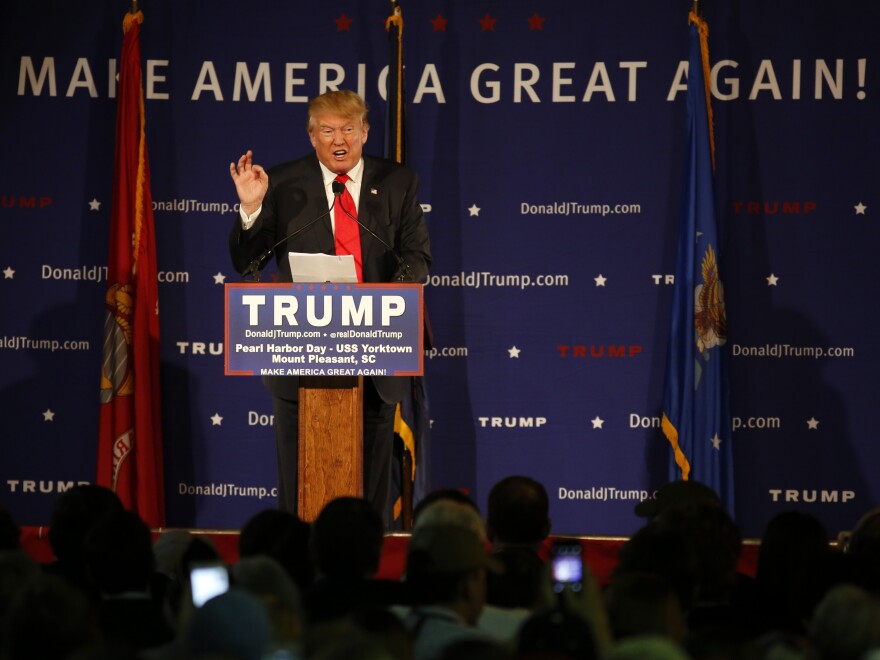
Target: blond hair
[(340, 102)]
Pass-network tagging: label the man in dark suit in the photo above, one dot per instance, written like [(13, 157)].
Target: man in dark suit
[(278, 202)]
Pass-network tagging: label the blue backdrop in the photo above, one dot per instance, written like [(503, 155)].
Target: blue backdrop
[(549, 138)]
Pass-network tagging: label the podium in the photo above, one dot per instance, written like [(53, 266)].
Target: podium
[(331, 441), (331, 336)]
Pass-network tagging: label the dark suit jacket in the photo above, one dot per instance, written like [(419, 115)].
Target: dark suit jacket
[(388, 205)]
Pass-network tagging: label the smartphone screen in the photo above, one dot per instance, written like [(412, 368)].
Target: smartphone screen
[(567, 566), (207, 581)]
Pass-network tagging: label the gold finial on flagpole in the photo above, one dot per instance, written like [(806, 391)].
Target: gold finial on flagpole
[(696, 7)]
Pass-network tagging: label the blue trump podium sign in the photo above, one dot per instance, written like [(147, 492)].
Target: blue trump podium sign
[(323, 329)]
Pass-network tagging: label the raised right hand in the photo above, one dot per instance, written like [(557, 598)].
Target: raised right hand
[(251, 182)]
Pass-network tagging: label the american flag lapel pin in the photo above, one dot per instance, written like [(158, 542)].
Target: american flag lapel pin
[(374, 191)]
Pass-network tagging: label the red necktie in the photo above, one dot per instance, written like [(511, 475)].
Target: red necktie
[(348, 233)]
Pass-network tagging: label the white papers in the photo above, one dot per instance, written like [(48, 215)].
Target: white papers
[(308, 267)]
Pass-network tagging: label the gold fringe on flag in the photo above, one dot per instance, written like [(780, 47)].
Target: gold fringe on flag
[(671, 434), (402, 429), (127, 24), (703, 29), (396, 19)]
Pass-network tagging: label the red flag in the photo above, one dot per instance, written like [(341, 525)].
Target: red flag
[(130, 432)]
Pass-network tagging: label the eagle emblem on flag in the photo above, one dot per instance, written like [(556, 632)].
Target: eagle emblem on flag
[(710, 316)]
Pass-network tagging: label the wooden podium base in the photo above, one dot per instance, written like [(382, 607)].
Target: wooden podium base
[(331, 440)]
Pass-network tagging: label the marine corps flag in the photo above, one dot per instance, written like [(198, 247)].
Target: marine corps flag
[(130, 431), (696, 417)]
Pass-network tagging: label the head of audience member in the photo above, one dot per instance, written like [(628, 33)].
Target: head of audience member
[(723, 642), (73, 514), (664, 552), (16, 568), (168, 549), (48, 618), (676, 494), (282, 536), (781, 645), (518, 512), (118, 553), (476, 649), (177, 605), (716, 543), (10, 534), (265, 579), (846, 623), (446, 511), (231, 626), (640, 604), (346, 640), (453, 494), (446, 566), (863, 548), (792, 562), (522, 584), (647, 647), (200, 550), (556, 633), (387, 629), (346, 539)]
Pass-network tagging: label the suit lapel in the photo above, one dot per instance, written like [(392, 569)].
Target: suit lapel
[(368, 210)]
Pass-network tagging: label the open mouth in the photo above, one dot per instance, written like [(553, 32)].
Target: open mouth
[(340, 153)]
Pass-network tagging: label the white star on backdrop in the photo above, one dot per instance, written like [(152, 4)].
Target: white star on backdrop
[(474, 210), (597, 422), (94, 205), (860, 208), (716, 441), (49, 415), (8, 273), (813, 424), (772, 280), (216, 420), (219, 278), (513, 351), (600, 280)]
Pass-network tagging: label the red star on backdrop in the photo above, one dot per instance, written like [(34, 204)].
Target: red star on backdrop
[(536, 22), (439, 23), (487, 23), (343, 23)]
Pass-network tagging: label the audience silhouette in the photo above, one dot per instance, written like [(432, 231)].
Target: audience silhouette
[(472, 590)]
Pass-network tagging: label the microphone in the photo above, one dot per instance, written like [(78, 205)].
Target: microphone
[(257, 264), (404, 274)]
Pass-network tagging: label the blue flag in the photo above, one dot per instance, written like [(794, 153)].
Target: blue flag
[(412, 423), (696, 415)]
